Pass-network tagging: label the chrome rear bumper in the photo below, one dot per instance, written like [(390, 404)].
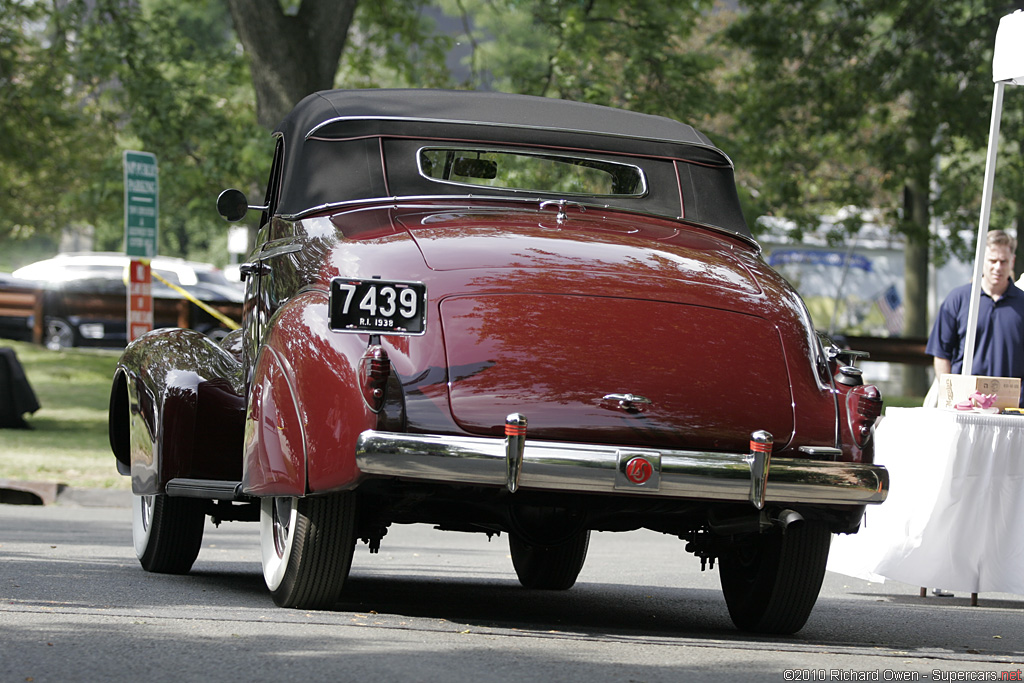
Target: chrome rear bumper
[(546, 465)]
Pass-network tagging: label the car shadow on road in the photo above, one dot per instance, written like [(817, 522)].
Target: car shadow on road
[(500, 602), (587, 607)]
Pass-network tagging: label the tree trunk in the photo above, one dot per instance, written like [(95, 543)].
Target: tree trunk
[(916, 212), (291, 56)]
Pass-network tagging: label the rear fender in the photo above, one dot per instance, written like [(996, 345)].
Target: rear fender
[(306, 407), (176, 410)]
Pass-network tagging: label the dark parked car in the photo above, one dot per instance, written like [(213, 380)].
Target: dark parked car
[(501, 314), (84, 298)]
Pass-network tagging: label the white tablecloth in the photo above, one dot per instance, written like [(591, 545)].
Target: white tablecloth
[(954, 517)]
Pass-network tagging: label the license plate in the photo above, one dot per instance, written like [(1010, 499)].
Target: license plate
[(378, 306)]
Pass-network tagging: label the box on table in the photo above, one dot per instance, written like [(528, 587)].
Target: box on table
[(956, 388)]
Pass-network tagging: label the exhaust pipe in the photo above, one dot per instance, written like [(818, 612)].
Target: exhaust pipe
[(753, 523), (789, 518)]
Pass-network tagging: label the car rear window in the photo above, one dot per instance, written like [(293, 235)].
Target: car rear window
[(538, 172)]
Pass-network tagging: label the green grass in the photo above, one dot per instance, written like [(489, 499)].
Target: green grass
[(68, 440)]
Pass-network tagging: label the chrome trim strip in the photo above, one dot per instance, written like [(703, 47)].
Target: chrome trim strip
[(593, 469), (446, 201), (287, 246), (821, 452)]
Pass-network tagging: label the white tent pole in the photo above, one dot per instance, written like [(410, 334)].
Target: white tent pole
[(986, 211)]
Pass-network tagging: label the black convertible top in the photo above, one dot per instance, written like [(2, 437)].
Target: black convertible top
[(704, 191), (316, 111)]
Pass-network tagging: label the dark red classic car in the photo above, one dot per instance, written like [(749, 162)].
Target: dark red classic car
[(497, 313)]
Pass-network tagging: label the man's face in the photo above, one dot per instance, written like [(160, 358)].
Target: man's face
[(998, 266)]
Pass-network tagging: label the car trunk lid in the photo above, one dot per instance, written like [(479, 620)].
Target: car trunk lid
[(644, 250), (616, 370)]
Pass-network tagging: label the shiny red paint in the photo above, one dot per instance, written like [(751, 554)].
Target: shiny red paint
[(554, 357), (306, 407), (544, 320), (526, 315), (275, 444), (512, 251)]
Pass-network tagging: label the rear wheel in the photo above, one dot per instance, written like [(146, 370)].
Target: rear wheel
[(549, 567), (771, 581), (307, 546), (167, 532)]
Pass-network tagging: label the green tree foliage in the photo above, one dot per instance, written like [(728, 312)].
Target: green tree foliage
[(174, 84), (842, 102), (638, 56), (859, 103), (54, 138), (81, 81), (863, 103), (395, 44), (960, 176), (162, 77)]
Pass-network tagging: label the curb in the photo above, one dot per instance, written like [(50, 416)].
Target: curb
[(106, 498), (16, 492)]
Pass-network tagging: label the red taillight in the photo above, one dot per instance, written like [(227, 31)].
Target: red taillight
[(863, 406), (374, 370)]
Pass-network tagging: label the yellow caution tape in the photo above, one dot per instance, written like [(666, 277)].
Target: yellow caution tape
[(231, 324)]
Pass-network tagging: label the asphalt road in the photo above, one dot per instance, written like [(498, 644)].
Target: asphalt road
[(441, 606)]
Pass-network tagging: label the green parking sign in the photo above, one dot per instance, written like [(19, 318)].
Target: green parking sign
[(141, 204)]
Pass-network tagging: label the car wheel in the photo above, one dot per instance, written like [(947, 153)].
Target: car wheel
[(771, 581), (307, 546), (59, 334), (549, 567), (168, 532)]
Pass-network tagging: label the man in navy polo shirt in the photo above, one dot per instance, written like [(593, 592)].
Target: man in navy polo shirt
[(999, 342)]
